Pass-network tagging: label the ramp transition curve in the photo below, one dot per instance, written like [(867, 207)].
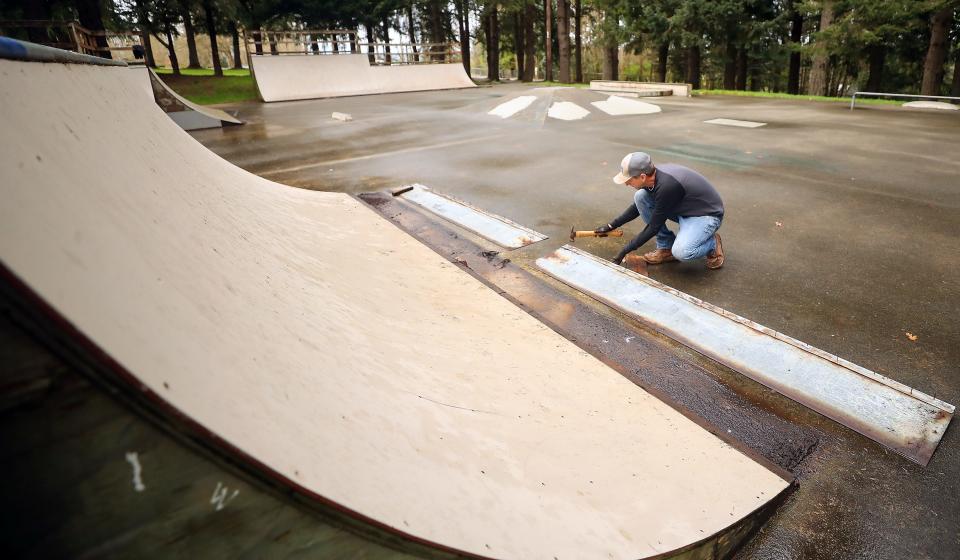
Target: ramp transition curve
[(417, 400)]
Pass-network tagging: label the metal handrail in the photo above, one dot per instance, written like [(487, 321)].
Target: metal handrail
[(853, 100)]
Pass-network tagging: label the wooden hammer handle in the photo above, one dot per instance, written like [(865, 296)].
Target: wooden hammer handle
[(588, 233)]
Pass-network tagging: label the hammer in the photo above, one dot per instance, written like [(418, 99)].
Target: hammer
[(574, 234)]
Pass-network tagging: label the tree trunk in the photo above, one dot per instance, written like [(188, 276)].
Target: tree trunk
[(148, 57), (368, 30), (235, 35), (578, 42), (730, 64), (37, 10), (143, 21), (693, 66), (611, 62), (463, 20), (530, 44), (436, 30), (937, 52), (492, 29), (385, 34), (743, 62), (257, 39), (193, 61), (663, 54), (796, 35), (955, 89), (174, 64), (819, 84), (563, 38), (210, 13), (411, 30), (518, 42), (756, 80), (877, 55), (548, 44), (91, 17)]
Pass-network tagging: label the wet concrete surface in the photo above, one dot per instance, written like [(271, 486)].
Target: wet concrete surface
[(841, 231)]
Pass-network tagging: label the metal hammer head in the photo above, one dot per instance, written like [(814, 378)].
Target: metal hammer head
[(573, 234)]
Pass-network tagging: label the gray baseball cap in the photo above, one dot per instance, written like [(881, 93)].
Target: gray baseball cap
[(633, 164)]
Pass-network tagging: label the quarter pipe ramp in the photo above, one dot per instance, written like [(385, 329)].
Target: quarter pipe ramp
[(304, 335), (293, 77), (188, 115)]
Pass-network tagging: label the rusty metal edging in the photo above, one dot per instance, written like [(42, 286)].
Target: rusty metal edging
[(492, 227), (914, 437)]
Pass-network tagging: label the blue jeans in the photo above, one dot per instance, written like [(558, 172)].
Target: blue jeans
[(695, 238)]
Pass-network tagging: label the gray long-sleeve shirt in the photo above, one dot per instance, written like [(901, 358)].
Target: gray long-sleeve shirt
[(677, 191)]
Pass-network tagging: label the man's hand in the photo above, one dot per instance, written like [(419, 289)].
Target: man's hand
[(607, 228)]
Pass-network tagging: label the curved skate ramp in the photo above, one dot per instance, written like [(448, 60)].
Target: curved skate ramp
[(187, 114), (309, 338), (293, 77)]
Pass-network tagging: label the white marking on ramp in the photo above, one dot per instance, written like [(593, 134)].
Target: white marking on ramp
[(567, 111), (734, 122), (134, 461), (221, 496), (512, 107), (615, 105)]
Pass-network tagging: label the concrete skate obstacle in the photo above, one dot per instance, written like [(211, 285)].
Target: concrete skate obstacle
[(642, 89)]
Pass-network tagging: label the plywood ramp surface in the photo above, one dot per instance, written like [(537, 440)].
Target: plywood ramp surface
[(187, 114), (345, 357), (292, 77)]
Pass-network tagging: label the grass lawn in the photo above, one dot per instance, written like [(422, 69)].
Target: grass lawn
[(200, 86), (560, 84), (770, 95), (868, 101)]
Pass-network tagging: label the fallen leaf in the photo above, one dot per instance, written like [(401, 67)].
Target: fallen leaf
[(912, 337), (779, 224)]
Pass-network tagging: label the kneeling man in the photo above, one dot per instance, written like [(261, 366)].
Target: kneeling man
[(670, 192)]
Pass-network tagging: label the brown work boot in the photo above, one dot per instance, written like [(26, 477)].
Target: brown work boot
[(715, 257), (659, 256)]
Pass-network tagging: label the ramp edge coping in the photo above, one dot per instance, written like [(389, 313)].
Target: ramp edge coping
[(846, 364), (15, 49), (533, 236)]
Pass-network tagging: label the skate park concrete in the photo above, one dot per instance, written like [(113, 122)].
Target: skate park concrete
[(840, 232)]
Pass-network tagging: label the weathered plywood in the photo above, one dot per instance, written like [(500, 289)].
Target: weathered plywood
[(292, 77), (345, 358), (185, 113)]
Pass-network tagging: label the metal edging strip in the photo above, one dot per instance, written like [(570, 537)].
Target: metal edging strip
[(790, 363), (492, 227)]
